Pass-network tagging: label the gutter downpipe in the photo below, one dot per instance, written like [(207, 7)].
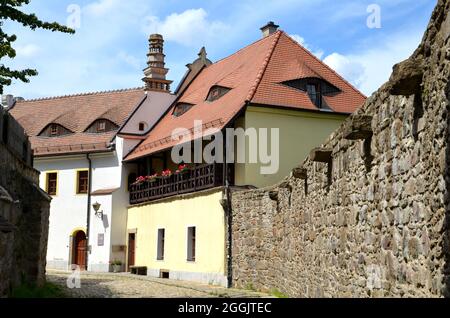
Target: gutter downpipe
[(88, 212), (229, 217)]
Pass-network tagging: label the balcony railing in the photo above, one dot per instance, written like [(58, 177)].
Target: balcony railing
[(199, 178)]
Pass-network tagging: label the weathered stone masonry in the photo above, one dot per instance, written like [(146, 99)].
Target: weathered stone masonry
[(367, 215), (24, 211)]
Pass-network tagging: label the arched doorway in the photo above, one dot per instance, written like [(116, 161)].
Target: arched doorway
[(79, 249)]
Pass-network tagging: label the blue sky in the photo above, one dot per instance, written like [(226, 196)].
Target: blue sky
[(109, 49)]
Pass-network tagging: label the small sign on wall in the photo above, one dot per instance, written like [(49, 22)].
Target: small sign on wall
[(101, 240)]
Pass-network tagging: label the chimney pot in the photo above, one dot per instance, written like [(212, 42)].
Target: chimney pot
[(269, 29)]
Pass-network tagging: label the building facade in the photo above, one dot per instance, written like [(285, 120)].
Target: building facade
[(179, 215), (79, 154)]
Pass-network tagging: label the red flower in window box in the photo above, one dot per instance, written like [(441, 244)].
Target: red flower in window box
[(182, 169), (166, 173), (151, 178), (140, 180)]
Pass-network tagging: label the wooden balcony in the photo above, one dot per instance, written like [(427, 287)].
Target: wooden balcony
[(199, 178)]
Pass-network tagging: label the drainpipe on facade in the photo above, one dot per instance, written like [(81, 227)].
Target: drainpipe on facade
[(230, 234), (88, 212), (229, 215)]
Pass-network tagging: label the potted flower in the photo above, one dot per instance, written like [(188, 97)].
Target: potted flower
[(152, 178), (117, 266), (182, 169), (166, 173), (139, 180)]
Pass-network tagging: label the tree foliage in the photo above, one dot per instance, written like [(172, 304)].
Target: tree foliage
[(10, 10)]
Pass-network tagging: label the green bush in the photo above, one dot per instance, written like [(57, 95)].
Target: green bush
[(49, 290)]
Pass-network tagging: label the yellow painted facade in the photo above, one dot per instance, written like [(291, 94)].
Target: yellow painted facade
[(202, 210), (300, 132)]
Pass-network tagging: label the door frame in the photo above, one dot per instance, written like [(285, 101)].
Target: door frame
[(74, 252), (129, 232)]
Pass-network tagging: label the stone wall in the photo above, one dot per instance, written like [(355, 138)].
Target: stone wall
[(367, 214), (24, 211)]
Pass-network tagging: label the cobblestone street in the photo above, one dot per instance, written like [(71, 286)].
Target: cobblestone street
[(109, 285)]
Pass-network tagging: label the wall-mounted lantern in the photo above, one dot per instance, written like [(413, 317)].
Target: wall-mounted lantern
[(98, 213)]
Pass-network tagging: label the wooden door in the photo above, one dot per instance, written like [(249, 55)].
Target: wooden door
[(131, 249), (80, 248)]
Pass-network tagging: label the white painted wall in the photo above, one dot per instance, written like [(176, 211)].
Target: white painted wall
[(68, 211), (149, 112)]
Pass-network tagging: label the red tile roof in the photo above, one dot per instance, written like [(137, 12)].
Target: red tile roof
[(76, 113), (254, 75)]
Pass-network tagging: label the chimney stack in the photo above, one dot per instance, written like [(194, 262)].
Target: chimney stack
[(8, 101), (269, 29), (155, 73)]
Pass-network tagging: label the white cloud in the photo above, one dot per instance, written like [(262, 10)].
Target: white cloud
[(371, 67), (27, 51), (187, 28), (301, 40), (101, 7), (347, 67), (129, 59)]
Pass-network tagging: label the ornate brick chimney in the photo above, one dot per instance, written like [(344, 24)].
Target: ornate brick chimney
[(269, 29), (155, 73)]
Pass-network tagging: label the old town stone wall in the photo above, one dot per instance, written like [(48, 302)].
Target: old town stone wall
[(367, 214), (24, 211)]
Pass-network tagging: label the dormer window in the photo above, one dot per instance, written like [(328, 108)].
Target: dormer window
[(181, 108), (314, 94), (101, 126), (54, 130), (217, 92), (316, 88)]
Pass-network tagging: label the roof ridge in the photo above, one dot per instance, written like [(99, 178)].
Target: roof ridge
[(82, 94), (245, 47), (327, 66), (261, 72)]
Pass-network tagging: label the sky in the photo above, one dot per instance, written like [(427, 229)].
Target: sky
[(361, 39)]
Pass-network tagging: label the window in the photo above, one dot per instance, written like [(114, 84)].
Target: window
[(181, 108), (54, 130), (161, 238), (101, 126), (216, 92), (52, 183), (82, 182), (142, 126), (315, 88), (314, 94), (191, 244)]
